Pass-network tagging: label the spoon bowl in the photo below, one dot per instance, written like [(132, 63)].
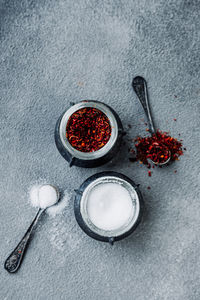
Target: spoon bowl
[(163, 163), (56, 190)]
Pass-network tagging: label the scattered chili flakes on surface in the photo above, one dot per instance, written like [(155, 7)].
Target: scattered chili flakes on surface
[(175, 171), (175, 119), (149, 173), (88, 129), (158, 148), (148, 187)]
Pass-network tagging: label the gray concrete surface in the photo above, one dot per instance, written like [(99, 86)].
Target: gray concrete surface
[(54, 52)]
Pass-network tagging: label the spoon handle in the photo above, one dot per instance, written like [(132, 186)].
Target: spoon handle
[(140, 87), (14, 260)]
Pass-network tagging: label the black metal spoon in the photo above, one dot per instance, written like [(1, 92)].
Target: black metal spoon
[(140, 87), (14, 260)]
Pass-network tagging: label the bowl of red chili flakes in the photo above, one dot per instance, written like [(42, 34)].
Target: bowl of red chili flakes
[(88, 134)]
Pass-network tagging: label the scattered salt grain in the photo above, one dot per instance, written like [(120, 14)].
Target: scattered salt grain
[(62, 236), (34, 196), (60, 206)]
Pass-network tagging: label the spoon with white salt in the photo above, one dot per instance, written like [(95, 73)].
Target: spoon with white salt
[(48, 195)]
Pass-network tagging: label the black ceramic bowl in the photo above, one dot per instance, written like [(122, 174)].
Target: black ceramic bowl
[(89, 159), (80, 207)]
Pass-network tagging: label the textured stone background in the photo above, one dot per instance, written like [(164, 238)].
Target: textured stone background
[(54, 52)]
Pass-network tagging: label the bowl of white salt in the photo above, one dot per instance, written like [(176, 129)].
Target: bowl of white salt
[(108, 206)]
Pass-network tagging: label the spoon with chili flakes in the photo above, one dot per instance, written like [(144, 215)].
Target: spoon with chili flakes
[(153, 147)]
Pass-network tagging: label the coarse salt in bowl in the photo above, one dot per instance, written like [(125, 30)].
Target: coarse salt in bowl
[(108, 206)]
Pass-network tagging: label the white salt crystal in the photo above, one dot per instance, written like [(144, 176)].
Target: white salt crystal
[(47, 195), (109, 206)]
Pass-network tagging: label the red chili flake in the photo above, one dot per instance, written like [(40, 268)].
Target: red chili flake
[(158, 148), (148, 187), (175, 171), (149, 173), (19, 251), (175, 119), (88, 129), (132, 151)]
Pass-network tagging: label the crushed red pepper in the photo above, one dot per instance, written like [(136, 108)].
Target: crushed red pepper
[(157, 148), (88, 129)]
